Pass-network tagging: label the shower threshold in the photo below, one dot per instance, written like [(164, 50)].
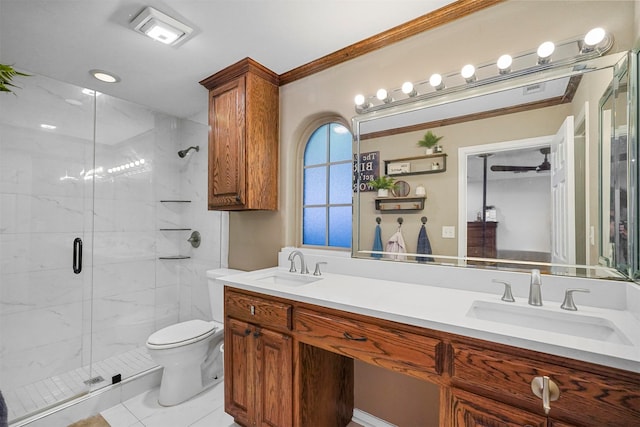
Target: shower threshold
[(42, 395)]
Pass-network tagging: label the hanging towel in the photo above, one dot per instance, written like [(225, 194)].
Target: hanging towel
[(397, 246), (424, 245), (377, 242)]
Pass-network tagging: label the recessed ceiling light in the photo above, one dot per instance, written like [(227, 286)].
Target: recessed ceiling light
[(104, 76), (160, 27)]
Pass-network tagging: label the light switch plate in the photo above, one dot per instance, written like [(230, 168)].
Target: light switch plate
[(448, 232)]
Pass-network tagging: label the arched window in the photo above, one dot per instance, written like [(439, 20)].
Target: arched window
[(327, 192)]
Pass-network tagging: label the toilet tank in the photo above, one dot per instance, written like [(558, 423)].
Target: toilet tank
[(216, 291)]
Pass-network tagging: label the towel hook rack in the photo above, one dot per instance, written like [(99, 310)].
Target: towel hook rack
[(423, 220), (400, 220), (378, 219)]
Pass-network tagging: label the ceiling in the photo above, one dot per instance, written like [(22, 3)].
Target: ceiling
[(64, 39)]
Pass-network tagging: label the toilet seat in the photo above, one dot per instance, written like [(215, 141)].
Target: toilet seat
[(182, 334)]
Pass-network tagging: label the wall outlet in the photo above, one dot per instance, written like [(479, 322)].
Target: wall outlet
[(448, 232)]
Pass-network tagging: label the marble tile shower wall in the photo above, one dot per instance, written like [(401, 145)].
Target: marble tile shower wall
[(53, 321)]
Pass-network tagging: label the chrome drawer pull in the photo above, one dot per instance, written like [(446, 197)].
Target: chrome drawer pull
[(350, 338), (545, 389), (253, 310)]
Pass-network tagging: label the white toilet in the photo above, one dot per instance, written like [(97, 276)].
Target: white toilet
[(191, 352)]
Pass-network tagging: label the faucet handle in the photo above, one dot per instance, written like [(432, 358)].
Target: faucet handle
[(507, 295), (317, 272), (568, 303)]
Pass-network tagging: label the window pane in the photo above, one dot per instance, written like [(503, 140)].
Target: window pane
[(340, 226), (340, 140), (316, 151), (315, 229), (340, 183), (315, 186)]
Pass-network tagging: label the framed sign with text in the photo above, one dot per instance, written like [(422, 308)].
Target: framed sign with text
[(367, 169)]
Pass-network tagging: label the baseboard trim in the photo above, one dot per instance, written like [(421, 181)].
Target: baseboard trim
[(365, 419)]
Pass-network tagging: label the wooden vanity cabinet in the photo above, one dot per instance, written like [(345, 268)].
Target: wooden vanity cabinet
[(243, 137), (258, 363), (291, 363)]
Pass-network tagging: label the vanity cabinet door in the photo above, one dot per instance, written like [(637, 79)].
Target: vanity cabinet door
[(258, 375), (470, 410)]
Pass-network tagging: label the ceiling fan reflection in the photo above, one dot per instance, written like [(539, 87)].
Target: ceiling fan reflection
[(544, 166)]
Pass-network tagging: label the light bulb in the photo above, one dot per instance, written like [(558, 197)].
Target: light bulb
[(594, 36), (407, 89), (468, 72), (436, 81), (359, 100), (381, 94), (545, 50), (504, 64)]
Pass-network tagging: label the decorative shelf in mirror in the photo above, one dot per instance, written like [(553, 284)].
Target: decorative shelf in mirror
[(398, 204), (418, 165), (174, 257)]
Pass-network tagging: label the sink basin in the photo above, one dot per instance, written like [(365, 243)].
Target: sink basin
[(574, 324), (287, 279)]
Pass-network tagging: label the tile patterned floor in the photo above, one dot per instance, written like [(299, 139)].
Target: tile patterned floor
[(203, 410), (143, 410), (43, 394)]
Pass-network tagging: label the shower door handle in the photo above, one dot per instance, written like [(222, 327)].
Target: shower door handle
[(77, 255)]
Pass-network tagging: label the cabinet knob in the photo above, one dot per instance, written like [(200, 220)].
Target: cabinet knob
[(247, 332), (545, 389)]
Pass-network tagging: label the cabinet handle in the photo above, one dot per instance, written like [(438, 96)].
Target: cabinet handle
[(253, 310), (247, 332), (348, 336), (545, 389), (256, 334), (77, 255)]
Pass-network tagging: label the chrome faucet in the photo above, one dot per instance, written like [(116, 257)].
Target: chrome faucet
[(535, 291), (303, 266)]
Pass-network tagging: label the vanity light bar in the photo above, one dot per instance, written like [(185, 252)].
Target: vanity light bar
[(548, 55)]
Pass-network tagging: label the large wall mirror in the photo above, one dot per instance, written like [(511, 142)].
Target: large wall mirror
[(534, 171)]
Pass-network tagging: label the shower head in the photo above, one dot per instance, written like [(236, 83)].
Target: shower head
[(184, 152)]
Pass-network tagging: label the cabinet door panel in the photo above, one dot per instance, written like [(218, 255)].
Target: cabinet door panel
[(469, 410), (273, 359), (238, 367), (227, 144)]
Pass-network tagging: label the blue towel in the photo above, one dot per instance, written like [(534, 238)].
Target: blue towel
[(377, 242), (424, 245)]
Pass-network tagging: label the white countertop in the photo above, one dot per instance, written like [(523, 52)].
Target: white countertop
[(448, 310)]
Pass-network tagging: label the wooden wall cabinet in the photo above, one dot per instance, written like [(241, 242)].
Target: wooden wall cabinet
[(243, 137)]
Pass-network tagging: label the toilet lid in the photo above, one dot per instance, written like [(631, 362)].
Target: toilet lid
[(181, 332)]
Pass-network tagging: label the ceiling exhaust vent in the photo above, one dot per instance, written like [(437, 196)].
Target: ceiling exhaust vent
[(160, 27)]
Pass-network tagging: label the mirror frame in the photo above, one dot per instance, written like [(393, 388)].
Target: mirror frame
[(552, 72)]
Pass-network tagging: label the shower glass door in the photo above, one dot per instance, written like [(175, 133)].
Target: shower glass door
[(46, 222)]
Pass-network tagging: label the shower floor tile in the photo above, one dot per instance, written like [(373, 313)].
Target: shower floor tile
[(26, 400)]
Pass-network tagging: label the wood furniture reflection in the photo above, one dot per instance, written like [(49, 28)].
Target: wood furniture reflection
[(481, 239), (289, 363), (243, 137)]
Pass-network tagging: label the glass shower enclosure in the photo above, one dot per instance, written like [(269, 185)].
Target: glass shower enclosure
[(82, 176)]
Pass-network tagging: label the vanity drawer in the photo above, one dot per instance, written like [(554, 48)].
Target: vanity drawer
[(257, 310), (390, 348), (590, 395)]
